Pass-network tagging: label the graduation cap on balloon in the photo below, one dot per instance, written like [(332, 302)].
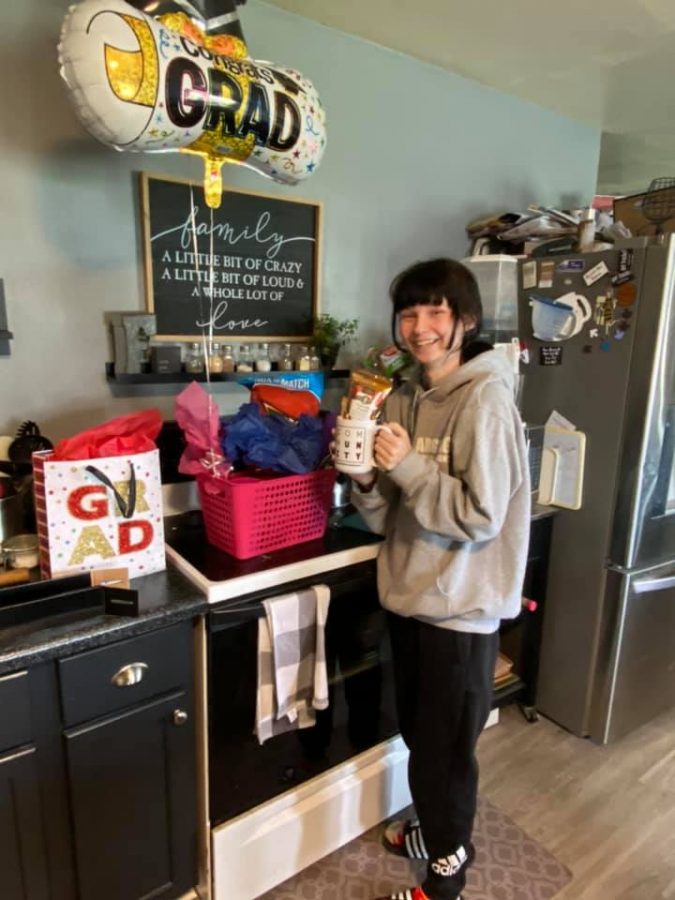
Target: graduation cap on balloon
[(176, 75)]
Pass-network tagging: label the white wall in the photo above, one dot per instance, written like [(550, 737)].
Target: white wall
[(413, 154)]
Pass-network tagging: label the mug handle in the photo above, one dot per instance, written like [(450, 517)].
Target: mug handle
[(586, 310)]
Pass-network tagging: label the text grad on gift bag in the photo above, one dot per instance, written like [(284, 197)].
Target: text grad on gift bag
[(98, 499)]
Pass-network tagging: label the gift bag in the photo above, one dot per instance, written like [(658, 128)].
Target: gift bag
[(97, 513)]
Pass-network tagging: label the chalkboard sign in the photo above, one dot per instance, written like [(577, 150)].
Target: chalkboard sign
[(249, 269)]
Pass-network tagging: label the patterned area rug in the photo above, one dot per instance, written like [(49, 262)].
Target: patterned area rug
[(509, 865)]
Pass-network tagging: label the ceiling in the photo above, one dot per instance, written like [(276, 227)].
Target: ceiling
[(610, 63)]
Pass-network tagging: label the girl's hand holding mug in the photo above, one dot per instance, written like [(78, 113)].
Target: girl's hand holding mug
[(392, 445)]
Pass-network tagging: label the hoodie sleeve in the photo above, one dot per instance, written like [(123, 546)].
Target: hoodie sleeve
[(374, 505), (471, 503)]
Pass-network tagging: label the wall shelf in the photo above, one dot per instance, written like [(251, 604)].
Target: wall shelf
[(150, 383), (186, 377)]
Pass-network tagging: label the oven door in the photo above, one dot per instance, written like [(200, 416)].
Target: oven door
[(361, 712)]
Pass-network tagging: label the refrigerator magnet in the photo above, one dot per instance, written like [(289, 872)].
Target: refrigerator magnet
[(592, 333), (625, 260), (572, 265), (608, 312), (622, 278), (550, 356), (529, 275), (546, 273), (595, 274), (599, 304), (626, 294), (621, 326)]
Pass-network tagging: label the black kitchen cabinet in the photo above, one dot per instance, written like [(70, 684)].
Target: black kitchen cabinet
[(98, 796), (23, 860), (131, 798)]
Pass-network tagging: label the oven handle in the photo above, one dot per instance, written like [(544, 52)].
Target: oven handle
[(233, 614)]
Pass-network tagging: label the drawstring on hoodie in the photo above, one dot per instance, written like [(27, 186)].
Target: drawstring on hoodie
[(420, 392)]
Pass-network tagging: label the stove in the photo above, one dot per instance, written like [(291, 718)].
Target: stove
[(349, 769), (222, 577)]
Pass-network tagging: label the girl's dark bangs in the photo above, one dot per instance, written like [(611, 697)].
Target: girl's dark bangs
[(417, 295)]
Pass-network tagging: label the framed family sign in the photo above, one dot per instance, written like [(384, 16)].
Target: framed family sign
[(247, 270)]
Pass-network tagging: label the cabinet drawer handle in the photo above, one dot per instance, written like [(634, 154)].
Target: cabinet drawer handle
[(180, 717), (129, 675)]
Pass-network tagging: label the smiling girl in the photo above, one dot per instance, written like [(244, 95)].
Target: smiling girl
[(451, 495)]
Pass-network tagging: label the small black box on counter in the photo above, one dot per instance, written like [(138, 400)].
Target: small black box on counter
[(165, 359), (121, 602)]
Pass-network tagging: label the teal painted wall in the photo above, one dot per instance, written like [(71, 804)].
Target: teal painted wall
[(413, 154)]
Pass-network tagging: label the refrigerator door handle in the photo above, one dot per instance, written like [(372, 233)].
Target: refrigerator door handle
[(648, 585)]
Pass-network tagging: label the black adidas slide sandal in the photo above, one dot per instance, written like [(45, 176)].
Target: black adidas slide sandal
[(410, 844)]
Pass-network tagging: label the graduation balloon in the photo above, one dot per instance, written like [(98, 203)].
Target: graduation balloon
[(166, 83)]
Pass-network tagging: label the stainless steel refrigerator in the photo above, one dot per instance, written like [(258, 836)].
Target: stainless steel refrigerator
[(608, 365)]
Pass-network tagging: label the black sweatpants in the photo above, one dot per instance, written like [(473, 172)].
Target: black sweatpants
[(444, 693)]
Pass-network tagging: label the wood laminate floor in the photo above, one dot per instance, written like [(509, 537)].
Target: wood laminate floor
[(608, 813)]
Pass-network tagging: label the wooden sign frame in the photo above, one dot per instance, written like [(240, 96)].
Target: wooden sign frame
[(306, 306)]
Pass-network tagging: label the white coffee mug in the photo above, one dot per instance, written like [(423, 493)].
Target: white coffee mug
[(353, 445)]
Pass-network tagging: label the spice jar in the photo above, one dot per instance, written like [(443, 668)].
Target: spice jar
[(215, 359), (304, 361), (228, 358), (263, 363), (21, 551), (314, 360), (194, 361), (245, 363), (286, 359)]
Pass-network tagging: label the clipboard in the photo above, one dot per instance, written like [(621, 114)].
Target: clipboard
[(561, 479)]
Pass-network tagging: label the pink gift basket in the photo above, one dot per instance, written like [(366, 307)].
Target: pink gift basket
[(247, 515)]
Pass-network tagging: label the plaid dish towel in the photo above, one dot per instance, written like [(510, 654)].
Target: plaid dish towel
[(292, 677)]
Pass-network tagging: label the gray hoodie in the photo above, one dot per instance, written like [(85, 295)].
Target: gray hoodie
[(456, 511)]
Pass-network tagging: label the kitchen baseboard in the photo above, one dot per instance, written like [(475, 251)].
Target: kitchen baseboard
[(260, 849)]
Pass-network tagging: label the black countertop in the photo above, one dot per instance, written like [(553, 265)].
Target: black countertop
[(166, 596)]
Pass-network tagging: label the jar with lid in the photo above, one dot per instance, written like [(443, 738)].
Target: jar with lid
[(228, 358), (21, 551), (194, 361), (215, 360), (286, 358), (303, 361), (245, 363), (314, 361), (263, 363)]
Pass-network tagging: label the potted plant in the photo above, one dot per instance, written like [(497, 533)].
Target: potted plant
[(330, 334)]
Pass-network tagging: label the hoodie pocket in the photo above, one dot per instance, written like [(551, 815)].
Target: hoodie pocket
[(466, 586)]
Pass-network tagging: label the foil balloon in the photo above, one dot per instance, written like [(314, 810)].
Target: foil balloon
[(166, 83)]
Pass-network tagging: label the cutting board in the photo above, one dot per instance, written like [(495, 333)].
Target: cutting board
[(561, 480)]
